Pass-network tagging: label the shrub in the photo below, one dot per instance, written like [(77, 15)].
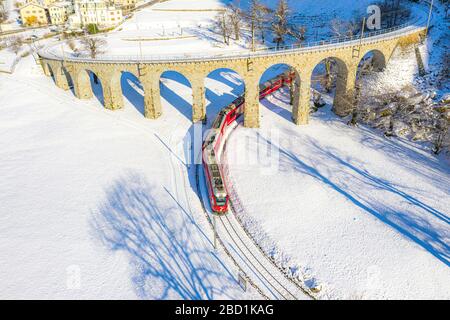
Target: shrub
[(92, 28)]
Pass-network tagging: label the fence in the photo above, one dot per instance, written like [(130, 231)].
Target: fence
[(406, 28)]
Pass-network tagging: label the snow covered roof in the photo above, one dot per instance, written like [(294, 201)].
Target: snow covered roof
[(61, 4), (32, 4)]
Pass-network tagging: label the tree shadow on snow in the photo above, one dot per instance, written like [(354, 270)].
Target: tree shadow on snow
[(168, 260), (342, 176), (404, 149), (400, 149)]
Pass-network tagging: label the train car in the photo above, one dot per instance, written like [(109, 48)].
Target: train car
[(270, 86), (218, 196), (213, 144), (276, 83)]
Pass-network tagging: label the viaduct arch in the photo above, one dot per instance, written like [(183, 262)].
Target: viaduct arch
[(250, 67)]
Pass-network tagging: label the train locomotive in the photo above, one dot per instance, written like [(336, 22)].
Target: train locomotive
[(214, 142)]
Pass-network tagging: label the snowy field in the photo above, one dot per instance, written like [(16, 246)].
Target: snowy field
[(7, 61), (166, 28), (360, 215), (101, 204), (98, 204), (185, 27)]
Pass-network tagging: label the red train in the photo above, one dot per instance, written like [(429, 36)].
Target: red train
[(213, 144)]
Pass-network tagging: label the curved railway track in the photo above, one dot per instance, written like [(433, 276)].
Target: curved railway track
[(266, 280), (274, 281), (260, 272)]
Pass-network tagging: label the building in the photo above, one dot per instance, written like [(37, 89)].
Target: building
[(44, 3), (34, 14), (59, 12), (126, 5), (47, 3), (96, 12), (33, 1)]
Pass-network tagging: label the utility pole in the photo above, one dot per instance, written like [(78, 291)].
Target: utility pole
[(357, 49), (363, 27), (253, 37), (429, 17), (140, 42)]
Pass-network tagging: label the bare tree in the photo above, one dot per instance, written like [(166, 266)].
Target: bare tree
[(261, 16), (94, 46), (440, 136), (72, 45), (341, 28), (16, 44), (224, 26), (392, 11), (329, 73), (256, 18), (280, 24), (235, 17), (299, 33), (4, 14)]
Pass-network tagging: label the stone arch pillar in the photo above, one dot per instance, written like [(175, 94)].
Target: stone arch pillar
[(61, 80), (45, 68), (198, 99), (301, 104), (112, 90), (251, 107), (345, 90), (82, 84), (152, 99)]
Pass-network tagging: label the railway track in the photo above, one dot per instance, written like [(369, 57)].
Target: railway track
[(257, 268), (273, 281)]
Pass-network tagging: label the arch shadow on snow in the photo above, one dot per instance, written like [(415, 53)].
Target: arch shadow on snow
[(217, 97), (172, 96), (96, 86), (50, 70), (283, 97), (167, 263), (69, 79), (280, 95), (133, 91)]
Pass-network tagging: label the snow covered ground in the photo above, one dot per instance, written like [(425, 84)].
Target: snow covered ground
[(181, 27), (358, 214), (99, 204), (166, 28), (7, 61)]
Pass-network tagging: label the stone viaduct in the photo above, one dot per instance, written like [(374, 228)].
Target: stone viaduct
[(250, 67)]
